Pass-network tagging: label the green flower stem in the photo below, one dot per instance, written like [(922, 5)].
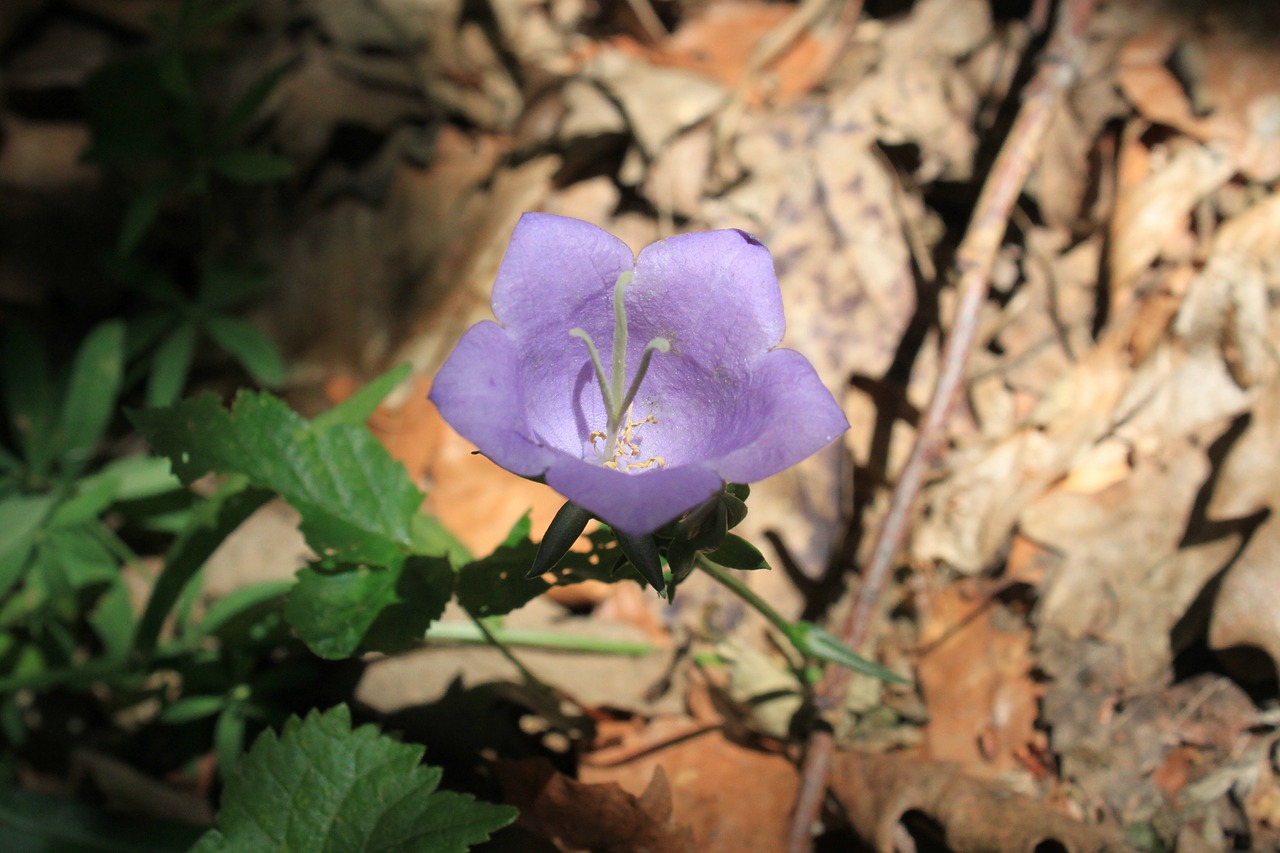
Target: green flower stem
[(465, 632), (728, 579)]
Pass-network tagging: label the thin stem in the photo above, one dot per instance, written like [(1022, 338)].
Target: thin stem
[(726, 578), (498, 644), (464, 632)]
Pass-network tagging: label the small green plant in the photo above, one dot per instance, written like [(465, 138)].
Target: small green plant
[(153, 128)]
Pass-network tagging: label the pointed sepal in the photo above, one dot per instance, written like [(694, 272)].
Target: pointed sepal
[(642, 552), (564, 530)]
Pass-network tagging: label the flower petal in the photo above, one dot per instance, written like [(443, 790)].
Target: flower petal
[(787, 415), (636, 503), (714, 295), (556, 272), (478, 392)]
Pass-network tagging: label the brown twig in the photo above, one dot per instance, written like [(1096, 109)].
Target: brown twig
[(974, 260)]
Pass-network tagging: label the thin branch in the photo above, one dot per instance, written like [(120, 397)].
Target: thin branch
[(974, 260)]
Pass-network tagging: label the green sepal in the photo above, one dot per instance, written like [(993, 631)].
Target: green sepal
[(825, 646), (737, 553), (564, 530), (642, 552)]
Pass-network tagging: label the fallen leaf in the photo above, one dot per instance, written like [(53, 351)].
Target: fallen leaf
[(602, 818)]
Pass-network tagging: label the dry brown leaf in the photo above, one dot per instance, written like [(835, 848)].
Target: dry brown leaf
[(881, 792), (729, 797), (974, 670), (720, 40), (1233, 80), (1154, 212), (600, 818)]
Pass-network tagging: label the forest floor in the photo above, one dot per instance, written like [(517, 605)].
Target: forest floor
[(1087, 596)]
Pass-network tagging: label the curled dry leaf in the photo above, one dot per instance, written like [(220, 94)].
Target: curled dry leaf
[(1229, 94), (730, 797), (601, 818), (883, 793)]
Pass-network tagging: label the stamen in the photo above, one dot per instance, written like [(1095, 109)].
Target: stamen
[(616, 401), (655, 345), (595, 361)]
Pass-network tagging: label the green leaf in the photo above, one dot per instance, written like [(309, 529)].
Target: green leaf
[(252, 167), (39, 823), (91, 394), (170, 365), (347, 790), (112, 620), (356, 502), (28, 395), (738, 553), (225, 285), (821, 644), (359, 407), (175, 76), (497, 584), (20, 519), (251, 348), (338, 612), (246, 107), (141, 215), (191, 708), (241, 604), (212, 522)]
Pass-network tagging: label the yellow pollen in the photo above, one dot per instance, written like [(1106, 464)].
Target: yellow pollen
[(625, 444)]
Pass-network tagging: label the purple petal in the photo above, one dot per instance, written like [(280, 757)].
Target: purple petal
[(478, 392), (556, 274), (786, 416), (714, 295), (635, 503), (559, 274)]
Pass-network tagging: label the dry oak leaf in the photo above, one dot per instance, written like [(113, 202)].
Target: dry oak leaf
[(598, 818), (879, 791)]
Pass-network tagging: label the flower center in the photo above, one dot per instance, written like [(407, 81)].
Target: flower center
[(617, 393)]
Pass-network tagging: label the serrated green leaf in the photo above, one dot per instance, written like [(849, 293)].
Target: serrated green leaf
[(356, 502), (348, 791), (338, 612), (254, 350), (738, 553), (252, 167), (170, 364), (91, 393), (360, 406), (497, 584)]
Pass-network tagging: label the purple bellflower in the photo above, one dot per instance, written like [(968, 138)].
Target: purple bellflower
[(637, 387)]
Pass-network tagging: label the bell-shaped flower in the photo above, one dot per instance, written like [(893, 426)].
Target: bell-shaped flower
[(636, 387)]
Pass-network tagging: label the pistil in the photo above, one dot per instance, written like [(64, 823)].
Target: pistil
[(618, 396)]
